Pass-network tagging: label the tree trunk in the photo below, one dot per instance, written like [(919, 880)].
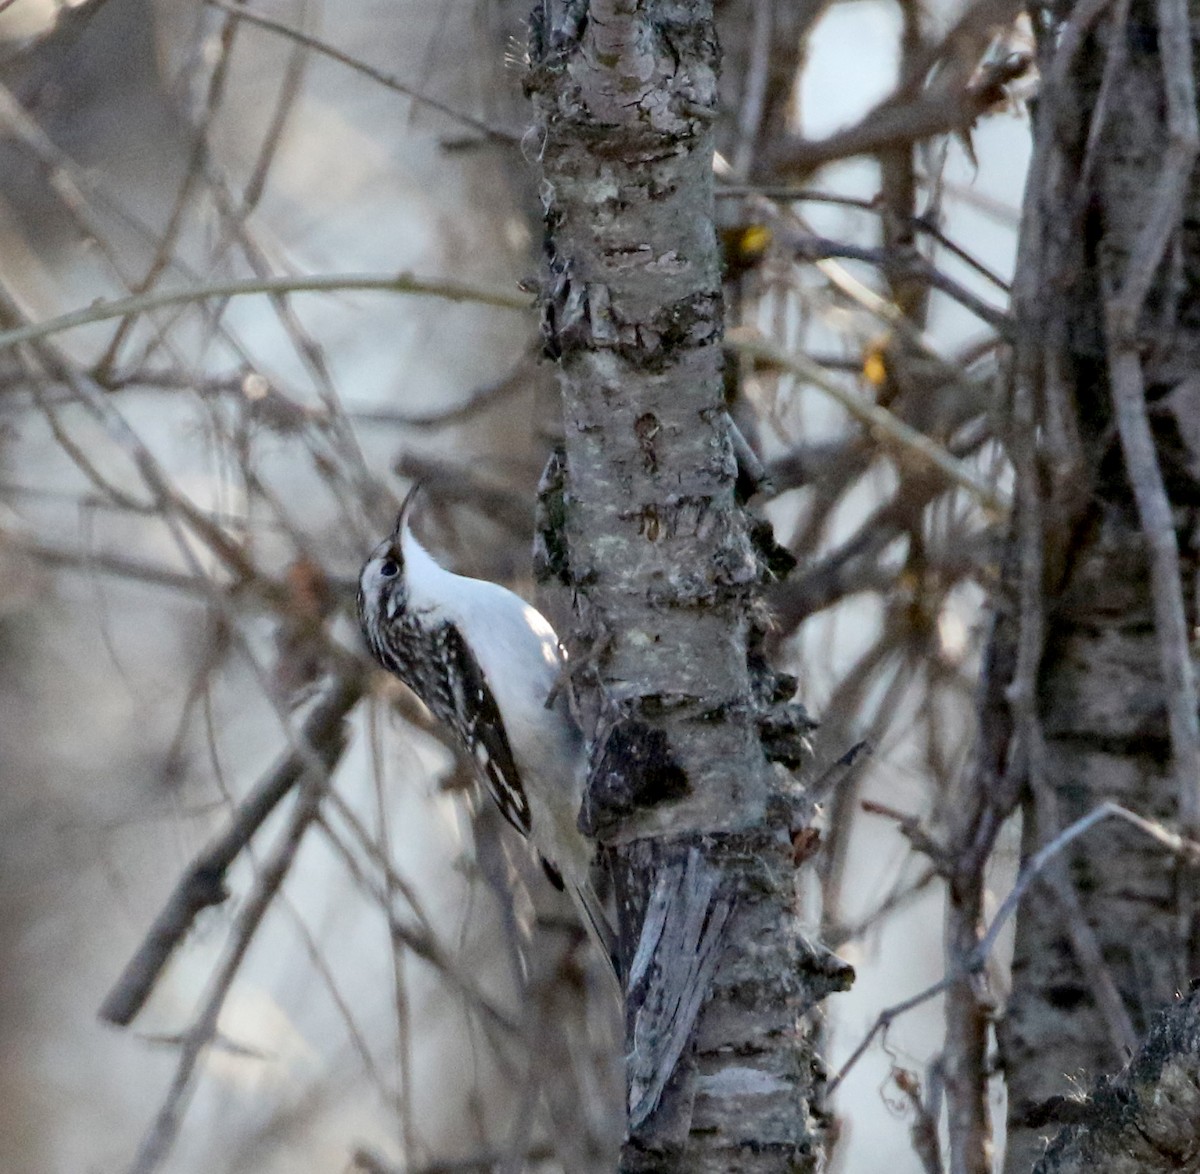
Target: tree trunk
[(1106, 411), (696, 821)]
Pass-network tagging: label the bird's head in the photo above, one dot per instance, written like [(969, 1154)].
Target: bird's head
[(381, 586)]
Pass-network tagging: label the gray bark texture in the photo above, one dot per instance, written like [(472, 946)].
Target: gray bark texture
[(666, 570), (1147, 1119), (1093, 696)]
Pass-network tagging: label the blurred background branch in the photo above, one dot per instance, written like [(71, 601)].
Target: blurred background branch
[(191, 476)]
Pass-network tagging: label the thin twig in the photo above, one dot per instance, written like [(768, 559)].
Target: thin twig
[(457, 482), (836, 934), (140, 572), (1114, 63), (197, 153), (482, 398), (404, 1091), (387, 80), (1174, 169), (1186, 849), (285, 108), (372, 1163), (160, 1137), (882, 424), (816, 248), (105, 311), (319, 964), (1089, 956), (419, 939), (1166, 588), (203, 882), (77, 191), (923, 223), (893, 122), (754, 91)]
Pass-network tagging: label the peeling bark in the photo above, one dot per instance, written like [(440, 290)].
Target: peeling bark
[(667, 573)]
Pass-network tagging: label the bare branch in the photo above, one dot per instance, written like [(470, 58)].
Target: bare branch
[(203, 882), (883, 425), (454, 291), (814, 248), (1186, 849), (387, 80), (160, 1137), (933, 112), (1123, 307)]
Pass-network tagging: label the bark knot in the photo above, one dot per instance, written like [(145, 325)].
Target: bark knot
[(633, 766)]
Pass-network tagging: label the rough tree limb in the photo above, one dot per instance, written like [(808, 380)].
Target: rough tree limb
[(1107, 344), (666, 573), (1145, 1120)]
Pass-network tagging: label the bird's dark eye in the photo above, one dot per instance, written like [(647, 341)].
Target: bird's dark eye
[(389, 569)]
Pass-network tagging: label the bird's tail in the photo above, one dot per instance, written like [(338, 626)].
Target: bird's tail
[(591, 909)]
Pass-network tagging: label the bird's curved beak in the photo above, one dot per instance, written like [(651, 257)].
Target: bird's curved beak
[(404, 517)]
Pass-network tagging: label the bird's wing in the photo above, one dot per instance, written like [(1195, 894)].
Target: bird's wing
[(466, 704)]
